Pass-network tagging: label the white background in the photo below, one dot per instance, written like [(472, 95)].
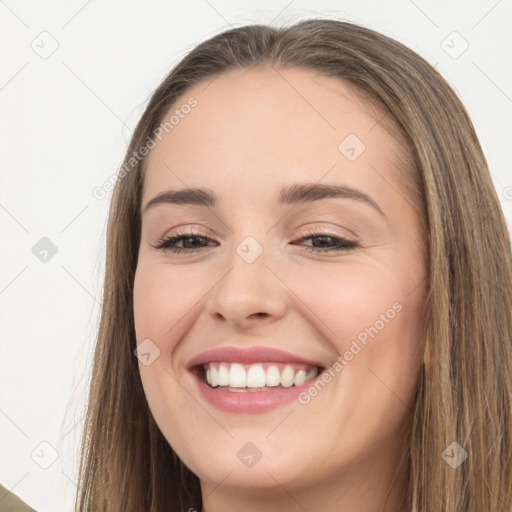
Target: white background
[(66, 120)]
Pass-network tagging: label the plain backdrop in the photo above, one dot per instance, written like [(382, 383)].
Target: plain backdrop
[(74, 79)]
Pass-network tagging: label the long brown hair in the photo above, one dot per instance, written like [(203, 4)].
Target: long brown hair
[(464, 393)]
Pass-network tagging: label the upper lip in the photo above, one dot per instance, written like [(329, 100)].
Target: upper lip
[(248, 356)]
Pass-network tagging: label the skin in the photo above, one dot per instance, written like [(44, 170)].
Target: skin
[(251, 133)]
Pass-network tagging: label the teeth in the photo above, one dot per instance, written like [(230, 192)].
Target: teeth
[(299, 378), (255, 377), (287, 377), (311, 374), (273, 376), (223, 375), (214, 376), (237, 376)]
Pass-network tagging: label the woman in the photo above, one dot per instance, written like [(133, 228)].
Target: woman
[(307, 257)]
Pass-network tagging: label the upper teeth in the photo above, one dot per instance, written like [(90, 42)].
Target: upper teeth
[(259, 375)]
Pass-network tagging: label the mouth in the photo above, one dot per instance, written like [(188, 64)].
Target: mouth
[(237, 377), (253, 380)]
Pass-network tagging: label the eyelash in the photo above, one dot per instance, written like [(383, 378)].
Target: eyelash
[(344, 245)]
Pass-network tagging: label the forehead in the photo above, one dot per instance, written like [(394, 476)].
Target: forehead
[(263, 126)]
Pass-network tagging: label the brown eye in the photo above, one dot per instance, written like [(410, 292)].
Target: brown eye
[(326, 242), (191, 242)]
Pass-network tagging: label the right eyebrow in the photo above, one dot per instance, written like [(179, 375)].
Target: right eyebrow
[(194, 196)]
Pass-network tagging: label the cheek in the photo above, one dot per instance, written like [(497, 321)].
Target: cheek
[(354, 298), (162, 299), (165, 302), (161, 302), (373, 316)]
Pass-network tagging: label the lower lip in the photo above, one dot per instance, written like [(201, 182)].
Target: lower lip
[(249, 402)]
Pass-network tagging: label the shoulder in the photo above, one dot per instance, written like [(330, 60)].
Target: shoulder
[(9, 502)]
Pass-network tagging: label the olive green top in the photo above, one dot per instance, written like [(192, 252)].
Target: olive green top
[(9, 502)]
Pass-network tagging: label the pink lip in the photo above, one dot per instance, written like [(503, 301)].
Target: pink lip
[(256, 402), (247, 402)]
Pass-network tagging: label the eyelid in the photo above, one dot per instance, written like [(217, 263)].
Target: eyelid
[(191, 230), (342, 244), (186, 228), (329, 231)]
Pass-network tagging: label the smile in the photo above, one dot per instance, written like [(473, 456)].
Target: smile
[(238, 377), (251, 380)]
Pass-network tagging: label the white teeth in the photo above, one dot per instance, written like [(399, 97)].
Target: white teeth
[(237, 376), (223, 375), (273, 376), (300, 378), (214, 376), (311, 374), (287, 377), (256, 376), (234, 375)]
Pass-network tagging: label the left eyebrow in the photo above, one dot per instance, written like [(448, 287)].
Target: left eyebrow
[(302, 193)]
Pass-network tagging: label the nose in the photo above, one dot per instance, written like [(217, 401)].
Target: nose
[(248, 294)]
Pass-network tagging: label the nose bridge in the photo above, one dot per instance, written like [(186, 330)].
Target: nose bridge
[(249, 289)]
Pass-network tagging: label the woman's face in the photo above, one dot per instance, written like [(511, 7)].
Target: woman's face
[(278, 280)]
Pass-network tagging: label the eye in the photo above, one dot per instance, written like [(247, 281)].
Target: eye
[(337, 243), (192, 241)]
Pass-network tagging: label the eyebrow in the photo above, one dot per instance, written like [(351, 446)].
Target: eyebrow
[(290, 194)]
